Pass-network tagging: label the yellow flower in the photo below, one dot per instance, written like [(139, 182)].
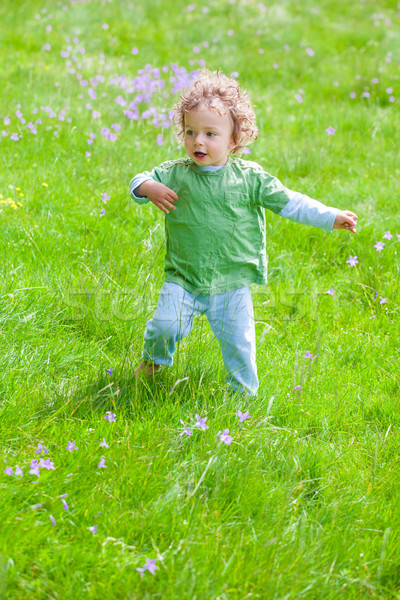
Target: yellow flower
[(21, 194), (45, 184), (47, 67), (19, 203), (18, 189), (1, 195)]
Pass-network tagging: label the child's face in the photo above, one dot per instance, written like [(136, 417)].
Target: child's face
[(208, 136)]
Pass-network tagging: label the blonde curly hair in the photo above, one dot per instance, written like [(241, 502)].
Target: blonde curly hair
[(215, 91)]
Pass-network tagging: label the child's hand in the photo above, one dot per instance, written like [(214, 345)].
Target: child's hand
[(346, 220), (159, 194)]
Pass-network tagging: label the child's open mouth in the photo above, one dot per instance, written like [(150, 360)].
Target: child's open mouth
[(200, 154)]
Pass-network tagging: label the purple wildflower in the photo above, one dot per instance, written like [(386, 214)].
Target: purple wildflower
[(379, 246), (34, 468), (308, 354), (330, 130), (109, 371), (104, 197), (46, 464), (8, 471), (242, 416), (388, 235), (93, 529), (102, 212), (201, 423), (102, 464), (331, 291), (65, 504), (52, 519), (18, 471), (110, 416), (187, 431), (150, 565), (104, 443), (41, 449), (382, 300), (71, 446), (352, 261), (225, 437)]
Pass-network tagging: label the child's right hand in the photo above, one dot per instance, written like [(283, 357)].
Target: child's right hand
[(159, 194)]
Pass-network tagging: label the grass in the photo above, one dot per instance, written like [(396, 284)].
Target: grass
[(305, 501)]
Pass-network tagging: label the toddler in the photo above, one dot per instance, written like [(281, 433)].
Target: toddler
[(215, 230)]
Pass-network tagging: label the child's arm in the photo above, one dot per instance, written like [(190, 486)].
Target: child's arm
[(159, 194), (269, 192), (308, 211), (144, 188)]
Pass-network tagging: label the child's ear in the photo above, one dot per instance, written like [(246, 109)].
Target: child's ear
[(232, 144)]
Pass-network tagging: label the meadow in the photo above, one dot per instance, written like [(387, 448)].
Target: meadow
[(113, 487)]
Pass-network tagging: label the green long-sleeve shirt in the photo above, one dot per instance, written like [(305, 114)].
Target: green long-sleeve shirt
[(216, 237)]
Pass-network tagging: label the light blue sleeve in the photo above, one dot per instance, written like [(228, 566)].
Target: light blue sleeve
[(307, 211), (135, 183)]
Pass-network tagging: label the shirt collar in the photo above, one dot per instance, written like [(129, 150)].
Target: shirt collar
[(207, 169)]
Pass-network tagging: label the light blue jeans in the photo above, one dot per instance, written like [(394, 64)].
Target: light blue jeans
[(231, 319)]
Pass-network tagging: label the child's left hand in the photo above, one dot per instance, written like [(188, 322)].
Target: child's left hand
[(346, 220)]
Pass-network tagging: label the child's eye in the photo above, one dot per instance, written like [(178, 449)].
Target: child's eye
[(211, 133), (189, 132)]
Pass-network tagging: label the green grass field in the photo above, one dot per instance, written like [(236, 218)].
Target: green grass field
[(305, 501)]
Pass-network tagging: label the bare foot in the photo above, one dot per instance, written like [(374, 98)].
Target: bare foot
[(147, 368)]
